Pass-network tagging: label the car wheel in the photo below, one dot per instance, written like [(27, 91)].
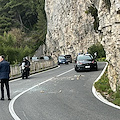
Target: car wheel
[(22, 75), (76, 69), (66, 63), (96, 68)]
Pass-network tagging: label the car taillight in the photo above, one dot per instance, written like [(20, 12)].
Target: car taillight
[(78, 62)]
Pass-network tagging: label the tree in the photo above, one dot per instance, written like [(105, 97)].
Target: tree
[(97, 48), (23, 27), (10, 50), (40, 34), (21, 13), (19, 35)]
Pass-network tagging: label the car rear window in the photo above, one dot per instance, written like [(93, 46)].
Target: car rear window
[(67, 56), (84, 57), (61, 57)]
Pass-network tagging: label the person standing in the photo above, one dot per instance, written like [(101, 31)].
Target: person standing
[(4, 77)]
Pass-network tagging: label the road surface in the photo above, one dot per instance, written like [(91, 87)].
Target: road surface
[(57, 94)]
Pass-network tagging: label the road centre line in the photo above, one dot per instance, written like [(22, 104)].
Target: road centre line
[(11, 104), (65, 72)]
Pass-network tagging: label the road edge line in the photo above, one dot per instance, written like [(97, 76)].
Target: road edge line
[(98, 95), (11, 109)]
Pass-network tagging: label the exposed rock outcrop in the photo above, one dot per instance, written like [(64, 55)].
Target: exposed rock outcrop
[(109, 27), (70, 30)]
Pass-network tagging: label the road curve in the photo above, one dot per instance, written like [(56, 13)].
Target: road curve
[(98, 95), (58, 94)]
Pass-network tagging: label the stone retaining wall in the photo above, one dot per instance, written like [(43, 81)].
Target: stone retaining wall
[(34, 67)]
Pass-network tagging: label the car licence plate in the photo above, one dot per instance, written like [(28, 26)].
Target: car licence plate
[(87, 66)]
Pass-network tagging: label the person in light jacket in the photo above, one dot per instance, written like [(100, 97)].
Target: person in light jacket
[(4, 76)]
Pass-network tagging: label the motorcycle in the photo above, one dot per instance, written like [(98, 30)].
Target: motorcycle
[(24, 71)]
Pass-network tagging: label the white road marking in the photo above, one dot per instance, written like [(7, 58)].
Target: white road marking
[(11, 109), (65, 72), (11, 104), (98, 95)]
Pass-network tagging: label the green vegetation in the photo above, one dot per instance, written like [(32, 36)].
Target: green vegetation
[(103, 59), (103, 86), (23, 27), (20, 13), (12, 49), (98, 48), (94, 12)]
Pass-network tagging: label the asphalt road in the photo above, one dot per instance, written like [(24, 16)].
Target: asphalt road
[(57, 94)]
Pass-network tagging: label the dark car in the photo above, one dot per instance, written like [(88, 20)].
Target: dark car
[(69, 58), (62, 60), (85, 62)]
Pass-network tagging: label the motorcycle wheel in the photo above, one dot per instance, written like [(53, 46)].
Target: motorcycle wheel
[(22, 75)]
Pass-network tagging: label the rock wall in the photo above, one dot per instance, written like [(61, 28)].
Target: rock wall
[(70, 31), (109, 27)]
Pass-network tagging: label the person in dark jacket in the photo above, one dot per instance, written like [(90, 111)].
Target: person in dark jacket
[(4, 77), (27, 66)]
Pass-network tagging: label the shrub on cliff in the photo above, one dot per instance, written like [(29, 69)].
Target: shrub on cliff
[(94, 12)]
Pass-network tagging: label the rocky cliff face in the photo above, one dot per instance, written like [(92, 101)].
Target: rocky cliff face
[(109, 27), (70, 30)]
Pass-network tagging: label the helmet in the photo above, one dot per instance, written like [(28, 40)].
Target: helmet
[(24, 59)]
